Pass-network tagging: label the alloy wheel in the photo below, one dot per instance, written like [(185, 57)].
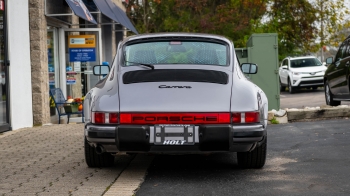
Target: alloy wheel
[(290, 88)]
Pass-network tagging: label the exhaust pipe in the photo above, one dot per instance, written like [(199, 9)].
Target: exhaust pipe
[(99, 149)]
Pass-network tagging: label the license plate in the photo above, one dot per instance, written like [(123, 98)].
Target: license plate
[(174, 135)]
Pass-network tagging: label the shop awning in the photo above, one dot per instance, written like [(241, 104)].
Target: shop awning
[(81, 10), (112, 11)]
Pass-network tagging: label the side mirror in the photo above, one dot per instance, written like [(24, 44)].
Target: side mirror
[(100, 70), (329, 60), (249, 68), (284, 67)]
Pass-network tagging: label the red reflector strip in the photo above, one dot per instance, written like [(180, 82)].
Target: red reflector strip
[(125, 118), (175, 118)]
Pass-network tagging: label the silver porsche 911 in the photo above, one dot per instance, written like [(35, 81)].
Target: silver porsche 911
[(175, 93)]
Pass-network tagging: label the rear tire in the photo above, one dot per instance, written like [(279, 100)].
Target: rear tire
[(290, 87), (282, 88), (254, 159), (93, 159), (329, 96)]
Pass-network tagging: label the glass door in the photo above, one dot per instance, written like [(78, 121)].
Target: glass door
[(4, 101), (53, 64)]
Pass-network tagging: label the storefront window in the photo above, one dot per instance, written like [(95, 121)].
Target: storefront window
[(52, 64), (3, 71)]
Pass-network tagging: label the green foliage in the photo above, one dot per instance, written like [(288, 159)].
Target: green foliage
[(330, 18), (294, 21), (274, 121), (52, 102), (302, 25), (231, 18)]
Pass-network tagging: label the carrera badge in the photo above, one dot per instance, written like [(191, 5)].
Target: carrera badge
[(165, 86)]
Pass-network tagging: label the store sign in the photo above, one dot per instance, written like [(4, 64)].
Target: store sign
[(81, 41), (82, 54), (77, 66), (82, 48), (71, 81)]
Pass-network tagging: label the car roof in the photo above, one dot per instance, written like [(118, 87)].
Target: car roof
[(174, 35), (301, 57)]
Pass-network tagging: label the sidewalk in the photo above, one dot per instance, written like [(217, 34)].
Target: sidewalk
[(308, 113), (49, 160)]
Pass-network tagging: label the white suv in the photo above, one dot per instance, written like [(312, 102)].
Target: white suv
[(298, 72)]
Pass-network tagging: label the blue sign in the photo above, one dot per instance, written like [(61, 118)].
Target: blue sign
[(82, 54), (71, 81)]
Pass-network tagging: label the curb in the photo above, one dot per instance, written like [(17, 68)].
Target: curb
[(308, 113)]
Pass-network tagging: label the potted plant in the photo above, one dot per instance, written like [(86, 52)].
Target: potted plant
[(74, 105)]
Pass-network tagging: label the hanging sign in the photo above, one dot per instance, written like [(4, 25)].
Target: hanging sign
[(77, 66), (82, 48), (71, 81), (82, 54), (81, 41)]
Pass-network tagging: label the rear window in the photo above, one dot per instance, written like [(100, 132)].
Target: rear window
[(311, 62), (176, 52)]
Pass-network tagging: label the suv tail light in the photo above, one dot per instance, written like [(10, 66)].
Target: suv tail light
[(105, 118), (245, 117)]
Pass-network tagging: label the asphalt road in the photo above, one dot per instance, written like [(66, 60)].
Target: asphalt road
[(304, 98), (304, 158)]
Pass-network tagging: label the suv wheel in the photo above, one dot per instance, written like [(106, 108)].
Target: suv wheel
[(290, 87), (93, 159), (282, 88), (329, 96), (254, 159)]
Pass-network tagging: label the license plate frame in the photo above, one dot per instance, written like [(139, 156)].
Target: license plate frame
[(180, 135)]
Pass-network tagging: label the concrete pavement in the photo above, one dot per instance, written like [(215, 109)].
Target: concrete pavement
[(309, 113), (49, 160)]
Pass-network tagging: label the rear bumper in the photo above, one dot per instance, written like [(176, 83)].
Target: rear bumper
[(206, 138)]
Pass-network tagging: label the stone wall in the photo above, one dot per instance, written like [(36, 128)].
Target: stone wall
[(39, 67), (39, 59)]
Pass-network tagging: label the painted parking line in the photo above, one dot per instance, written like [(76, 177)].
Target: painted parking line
[(132, 177)]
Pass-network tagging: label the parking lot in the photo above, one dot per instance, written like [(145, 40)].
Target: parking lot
[(304, 98), (303, 158)]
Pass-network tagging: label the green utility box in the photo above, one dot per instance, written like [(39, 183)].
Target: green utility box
[(262, 49)]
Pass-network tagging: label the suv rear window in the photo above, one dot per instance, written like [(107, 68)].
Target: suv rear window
[(176, 52), (310, 62)]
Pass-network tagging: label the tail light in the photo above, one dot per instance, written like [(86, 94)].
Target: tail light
[(105, 118), (245, 117)]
